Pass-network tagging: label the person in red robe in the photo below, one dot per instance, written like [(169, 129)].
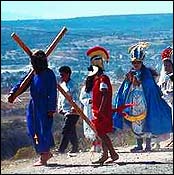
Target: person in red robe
[(102, 111)]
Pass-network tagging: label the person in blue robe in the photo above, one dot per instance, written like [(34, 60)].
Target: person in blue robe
[(158, 118), (42, 106)]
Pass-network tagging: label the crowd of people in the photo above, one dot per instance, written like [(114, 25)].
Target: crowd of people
[(149, 115)]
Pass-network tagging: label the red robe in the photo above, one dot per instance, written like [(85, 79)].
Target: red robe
[(102, 122)]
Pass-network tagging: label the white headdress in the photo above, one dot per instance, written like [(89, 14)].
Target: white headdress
[(137, 51)]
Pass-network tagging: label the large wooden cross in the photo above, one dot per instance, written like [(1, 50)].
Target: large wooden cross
[(28, 51)]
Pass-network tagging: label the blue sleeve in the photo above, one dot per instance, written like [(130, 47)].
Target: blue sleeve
[(120, 98), (16, 87)]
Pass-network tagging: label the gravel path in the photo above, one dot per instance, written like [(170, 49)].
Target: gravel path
[(160, 162)]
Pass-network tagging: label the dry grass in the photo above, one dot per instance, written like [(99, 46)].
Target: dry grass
[(25, 153)]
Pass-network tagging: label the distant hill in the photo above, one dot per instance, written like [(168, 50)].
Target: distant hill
[(102, 23), (116, 33)]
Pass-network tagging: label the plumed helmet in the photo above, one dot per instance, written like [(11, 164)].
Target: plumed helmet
[(137, 51), (166, 53), (97, 55)]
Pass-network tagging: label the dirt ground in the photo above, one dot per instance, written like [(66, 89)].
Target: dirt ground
[(155, 162)]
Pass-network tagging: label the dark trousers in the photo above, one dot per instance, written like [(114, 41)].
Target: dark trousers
[(69, 133)]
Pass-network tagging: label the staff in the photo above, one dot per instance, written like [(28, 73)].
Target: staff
[(76, 107)]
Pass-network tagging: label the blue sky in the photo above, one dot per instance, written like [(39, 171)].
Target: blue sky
[(18, 10)]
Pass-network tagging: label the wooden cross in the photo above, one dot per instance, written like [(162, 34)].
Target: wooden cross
[(28, 51)]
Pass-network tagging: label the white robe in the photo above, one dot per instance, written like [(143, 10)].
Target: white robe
[(166, 86), (84, 99)]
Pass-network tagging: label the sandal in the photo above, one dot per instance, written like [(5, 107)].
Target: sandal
[(101, 160), (40, 163)]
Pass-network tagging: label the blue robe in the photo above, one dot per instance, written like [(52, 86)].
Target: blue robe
[(43, 91), (159, 117)]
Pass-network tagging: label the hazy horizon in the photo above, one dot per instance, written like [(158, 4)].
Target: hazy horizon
[(84, 17), (30, 10)]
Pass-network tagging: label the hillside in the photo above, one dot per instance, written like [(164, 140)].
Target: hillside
[(115, 33)]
